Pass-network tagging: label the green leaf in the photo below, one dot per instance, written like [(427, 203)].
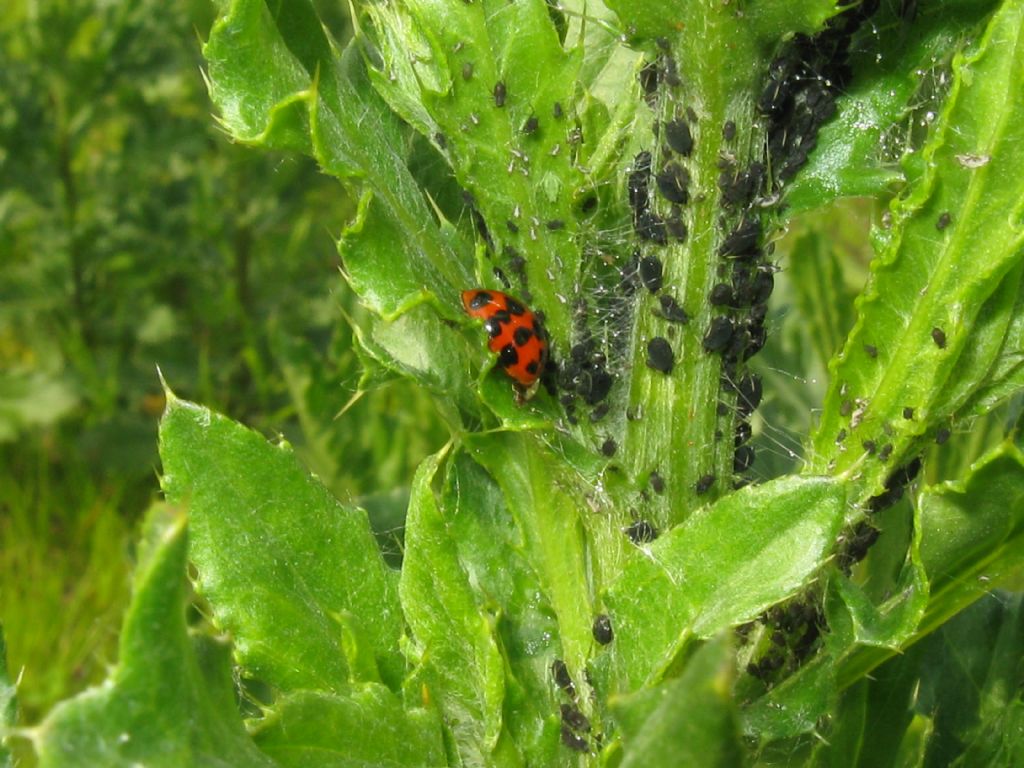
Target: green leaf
[(408, 345), (281, 82), (970, 685), (293, 575), (888, 622), (724, 565), (1004, 377), (970, 538), (689, 720), (870, 720), (898, 64), (930, 282), (484, 533), (955, 697), (973, 529), (509, 174), (366, 726), (543, 502), (170, 701), (458, 661), (650, 19), (796, 705), (8, 704)]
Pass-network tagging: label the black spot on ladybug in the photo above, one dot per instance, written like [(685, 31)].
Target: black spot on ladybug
[(939, 337), (493, 327), (641, 532), (743, 459), (480, 300), (532, 368), (500, 93), (678, 136), (672, 182), (943, 221), (719, 334), (521, 335), (671, 310), (514, 307), (650, 270), (602, 629), (608, 447), (508, 356), (660, 356)]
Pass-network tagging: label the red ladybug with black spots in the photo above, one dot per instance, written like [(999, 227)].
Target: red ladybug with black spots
[(516, 334)]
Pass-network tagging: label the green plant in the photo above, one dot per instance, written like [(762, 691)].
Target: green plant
[(537, 616), (134, 233)]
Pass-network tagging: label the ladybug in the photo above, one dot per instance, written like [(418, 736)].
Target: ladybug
[(516, 334)]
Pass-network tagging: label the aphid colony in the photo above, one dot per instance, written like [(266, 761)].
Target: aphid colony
[(735, 328)]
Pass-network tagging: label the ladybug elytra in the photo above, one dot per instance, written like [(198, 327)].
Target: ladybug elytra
[(516, 334)]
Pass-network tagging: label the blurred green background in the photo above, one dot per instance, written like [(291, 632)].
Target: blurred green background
[(133, 235)]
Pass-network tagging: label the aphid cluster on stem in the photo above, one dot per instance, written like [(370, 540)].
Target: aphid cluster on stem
[(584, 374), (575, 729), (658, 190), (793, 631), (800, 94)]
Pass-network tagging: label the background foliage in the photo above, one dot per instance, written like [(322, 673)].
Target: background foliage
[(134, 233)]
